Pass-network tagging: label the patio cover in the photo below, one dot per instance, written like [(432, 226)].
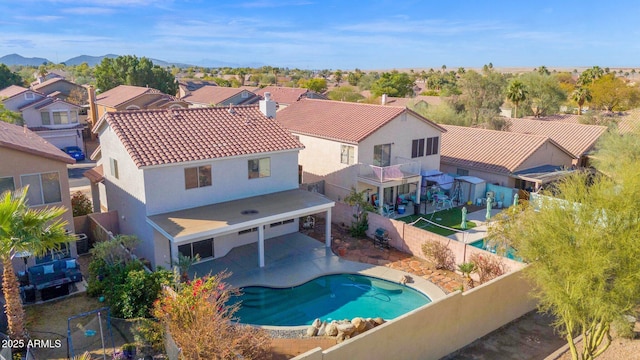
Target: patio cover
[(444, 181), (543, 174), (227, 217)]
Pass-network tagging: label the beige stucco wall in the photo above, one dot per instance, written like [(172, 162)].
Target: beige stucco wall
[(548, 154), (16, 163), (439, 328)]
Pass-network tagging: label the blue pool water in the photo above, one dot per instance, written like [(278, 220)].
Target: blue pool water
[(331, 297), (510, 254)]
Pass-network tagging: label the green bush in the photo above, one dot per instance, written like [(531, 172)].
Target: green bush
[(150, 333)]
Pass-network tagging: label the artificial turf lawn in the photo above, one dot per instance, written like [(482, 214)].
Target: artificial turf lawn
[(449, 218)]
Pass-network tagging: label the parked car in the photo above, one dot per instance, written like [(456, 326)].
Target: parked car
[(75, 152)]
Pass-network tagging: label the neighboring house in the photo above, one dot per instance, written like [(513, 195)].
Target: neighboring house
[(509, 159), (51, 74), (56, 120), (27, 159), (579, 139), (185, 87), (419, 100), (220, 96), (127, 97), (382, 149), (285, 96), (202, 181), (61, 88)]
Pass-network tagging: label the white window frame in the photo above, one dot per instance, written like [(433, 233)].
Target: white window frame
[(42, 198), (29, 95), (13, 183), (347, 154), (113, 168), (260, 172), (199, 183)]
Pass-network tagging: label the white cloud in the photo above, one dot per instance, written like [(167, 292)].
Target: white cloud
[(40, 18), (88, 11), (272, 4)]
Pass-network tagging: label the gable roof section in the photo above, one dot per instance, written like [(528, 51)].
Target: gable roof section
[(341, 121), (283, 95), (123, 93), (54, 80), (577, 138), (490, 150), (21, 139), (214, 94), (397, 101), (46, 101), (170, 136), (11, 91)]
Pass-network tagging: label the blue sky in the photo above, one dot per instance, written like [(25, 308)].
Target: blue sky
[(327, 34)]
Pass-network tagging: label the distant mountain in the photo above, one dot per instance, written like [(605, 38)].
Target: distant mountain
[(15, 59), (90, 60)]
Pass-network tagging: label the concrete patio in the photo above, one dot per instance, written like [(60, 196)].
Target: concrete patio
[(294, 259)]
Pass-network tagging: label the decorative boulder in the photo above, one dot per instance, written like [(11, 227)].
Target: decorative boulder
[(323, 329), (378, 321), (316, 323), (368, 325), (346, 329), (332, 329), (341, 337), (312, 331), (359, 323)]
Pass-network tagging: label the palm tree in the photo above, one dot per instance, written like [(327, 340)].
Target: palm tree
[(23, 229), (580, 95), (516, 93), (466, 269)]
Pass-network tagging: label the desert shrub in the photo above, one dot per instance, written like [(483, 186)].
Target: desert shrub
[(200, 307), (80, 204), (623, 327), (114, 251), (149, 332), (488, 267), (440, 255)]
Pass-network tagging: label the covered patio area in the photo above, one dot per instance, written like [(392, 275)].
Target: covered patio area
[(294, 259)]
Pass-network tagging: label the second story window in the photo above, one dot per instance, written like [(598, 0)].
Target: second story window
[(6, 184), (432, 146), (113, 164), (417, 148), (346, 154), (43, 188), (382, 155), (259, 168), (46, 120), (197, 177)]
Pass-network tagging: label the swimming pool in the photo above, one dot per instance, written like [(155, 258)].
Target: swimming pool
[(330, 297), (510, 253)]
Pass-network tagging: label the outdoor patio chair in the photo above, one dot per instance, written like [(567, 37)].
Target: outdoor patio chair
[(388, 211)]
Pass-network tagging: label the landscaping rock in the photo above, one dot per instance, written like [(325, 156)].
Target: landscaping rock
[(359, 323), (346, 329), (316, 323), (332, 329), (378, 321), (312, 331), (323, 329)]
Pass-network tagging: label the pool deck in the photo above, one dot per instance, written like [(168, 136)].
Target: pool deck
[(294, 259)]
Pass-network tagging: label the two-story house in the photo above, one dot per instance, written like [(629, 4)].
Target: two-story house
[(54, 119), (220, 96), (202, 181), (27, 159), (62, 89), (381, 149)]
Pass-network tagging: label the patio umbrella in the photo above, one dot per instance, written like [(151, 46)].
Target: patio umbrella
[(463, 224), (488, 216), (515, 199)]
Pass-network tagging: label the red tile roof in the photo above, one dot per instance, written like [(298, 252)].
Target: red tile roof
[(21, 139), (283, 95), (430, 100), (168, 136), (342, 121), (95, 174), (577, 138), (213, 95), (12, 90), (123, 93), (489, 150), (49, 82)]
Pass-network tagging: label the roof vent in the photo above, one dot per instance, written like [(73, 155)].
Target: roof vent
[(231, 110)]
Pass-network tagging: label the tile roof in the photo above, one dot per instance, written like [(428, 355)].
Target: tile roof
[(169, 136), (489, 150), (283, 95), (336, 120), (49, 82), (123, 93), (396, 101), (95, 174), (629, 122), (12, 90), (213, 95), (22, 139), (577, 138)]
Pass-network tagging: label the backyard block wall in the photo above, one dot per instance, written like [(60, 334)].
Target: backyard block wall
[(441, 327)]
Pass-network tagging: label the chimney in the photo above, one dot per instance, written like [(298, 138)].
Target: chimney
[(93, 110), (384, 99), (268, 106)]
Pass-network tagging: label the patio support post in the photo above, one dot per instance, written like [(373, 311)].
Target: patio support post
[(327, 230), (261, 246), (380, 199)]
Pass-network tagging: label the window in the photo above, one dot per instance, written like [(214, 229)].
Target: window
[(259, 168), (462, 172), (46, 120), (29, 96), (403, 189), (382, 155), (114, 168), (432, 146), (6, 184), (43, 188), (300, 172), (133, 107), (417, 148), (346, 154), (197, 177), (203, 248), (245, 95), (60, 117)]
